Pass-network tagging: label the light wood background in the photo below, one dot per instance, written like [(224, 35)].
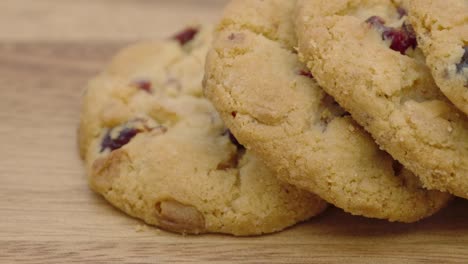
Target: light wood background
[(48, 49)]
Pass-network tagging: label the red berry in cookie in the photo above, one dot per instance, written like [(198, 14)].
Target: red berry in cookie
[(120, 136), (122, 139), (401, 39), (144, 85), (306, 73), (185, 36)]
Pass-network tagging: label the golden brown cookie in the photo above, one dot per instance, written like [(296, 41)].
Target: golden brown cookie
[(365, 54), (442, 30), (274, 107), (156, 149)]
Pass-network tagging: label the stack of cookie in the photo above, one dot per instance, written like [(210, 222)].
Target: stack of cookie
[(359, 103)]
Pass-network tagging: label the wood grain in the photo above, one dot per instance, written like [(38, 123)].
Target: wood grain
[(47, 213), (60, 20)]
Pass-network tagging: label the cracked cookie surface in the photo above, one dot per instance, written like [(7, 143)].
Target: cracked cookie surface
[(442, 29), (389, 92), (156, 149), (274, 107)]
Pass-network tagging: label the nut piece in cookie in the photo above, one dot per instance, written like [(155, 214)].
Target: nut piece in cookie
[(177, 217)]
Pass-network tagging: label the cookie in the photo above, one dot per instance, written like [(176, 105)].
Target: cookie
[(365, 54), (274, 107), (442, 30), (157, 150)]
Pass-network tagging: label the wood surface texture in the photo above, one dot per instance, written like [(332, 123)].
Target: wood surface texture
[(48, 50)]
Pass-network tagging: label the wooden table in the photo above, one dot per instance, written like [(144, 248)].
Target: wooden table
[(48, 49)]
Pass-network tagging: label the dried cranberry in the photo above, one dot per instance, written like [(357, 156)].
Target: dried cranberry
[(122, 139), (185, 36), (305, 73), (402, 39), (463, 62), (144, 85)]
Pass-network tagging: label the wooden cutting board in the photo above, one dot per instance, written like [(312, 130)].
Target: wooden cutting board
[(48, 50)]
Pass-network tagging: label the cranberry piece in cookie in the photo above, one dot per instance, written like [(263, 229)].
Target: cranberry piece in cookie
[(120, 136), (306, 73), (186, 36), (144, 85), (402, 39), (122, 139), (463, 62)]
